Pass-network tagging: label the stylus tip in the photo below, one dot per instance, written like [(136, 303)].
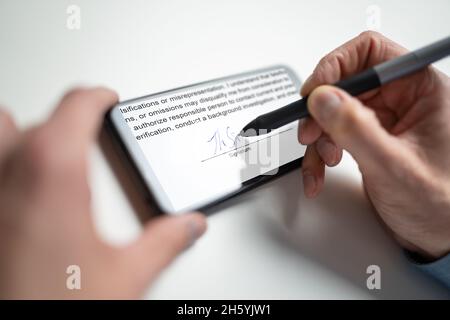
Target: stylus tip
[(250, 130)]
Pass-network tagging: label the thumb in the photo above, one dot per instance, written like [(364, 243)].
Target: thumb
[(162, 240), (352, 126)]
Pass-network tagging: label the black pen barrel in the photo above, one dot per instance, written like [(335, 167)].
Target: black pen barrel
[(280, 117), (362, 82), (298, 109)]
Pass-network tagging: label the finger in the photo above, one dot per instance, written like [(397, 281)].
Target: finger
[(8, 133), (308, 131), (77, 119), (358, 54), (352, 126), (330, 153), (313, 171), (162, 240)]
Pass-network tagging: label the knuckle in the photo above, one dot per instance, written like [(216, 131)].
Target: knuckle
[(323, 60), (42, 156), (106, 91), (37, 151), (80, 97), (325, 63), (330, 67), (369, 35), (7, 120), (74, 94)]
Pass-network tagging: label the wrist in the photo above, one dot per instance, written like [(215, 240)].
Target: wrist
[(434, 241), (428, 256)]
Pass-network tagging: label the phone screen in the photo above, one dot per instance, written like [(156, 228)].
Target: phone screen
[(185, 142)]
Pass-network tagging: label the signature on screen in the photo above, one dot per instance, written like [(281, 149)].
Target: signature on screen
[(224, 139)]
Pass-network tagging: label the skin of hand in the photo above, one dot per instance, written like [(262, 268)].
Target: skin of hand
[(398, 134), (45, 216)]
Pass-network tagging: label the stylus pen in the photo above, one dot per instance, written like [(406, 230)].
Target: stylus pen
[(362, 82)]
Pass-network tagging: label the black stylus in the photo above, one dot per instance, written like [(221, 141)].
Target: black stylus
[(355, 85)]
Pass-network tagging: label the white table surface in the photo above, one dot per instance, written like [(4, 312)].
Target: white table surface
[(269, 243)]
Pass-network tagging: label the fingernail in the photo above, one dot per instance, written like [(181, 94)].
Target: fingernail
[(196, 230), (327, 151), (326, 103), (301, 123), (309, 184)]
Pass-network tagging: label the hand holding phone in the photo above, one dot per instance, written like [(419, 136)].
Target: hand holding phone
[(49, 247)]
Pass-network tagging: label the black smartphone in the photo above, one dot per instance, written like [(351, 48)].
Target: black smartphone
[(184, 144)]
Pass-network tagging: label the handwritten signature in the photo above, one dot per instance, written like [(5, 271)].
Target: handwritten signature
[(224, 139)]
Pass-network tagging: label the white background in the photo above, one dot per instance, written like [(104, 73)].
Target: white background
[(270, 243)]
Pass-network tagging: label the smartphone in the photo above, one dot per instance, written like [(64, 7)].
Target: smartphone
[(184, 144)]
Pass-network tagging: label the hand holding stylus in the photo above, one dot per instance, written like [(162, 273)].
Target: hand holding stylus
[(398, 134)]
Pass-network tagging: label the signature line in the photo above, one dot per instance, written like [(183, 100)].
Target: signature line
[(231, 150)]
